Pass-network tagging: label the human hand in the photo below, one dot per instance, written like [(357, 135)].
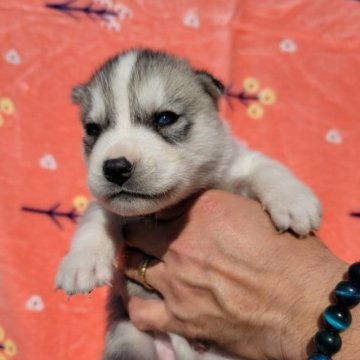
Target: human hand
[(227, 276)]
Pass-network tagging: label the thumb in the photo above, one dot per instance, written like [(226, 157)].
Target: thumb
[(148, 315)]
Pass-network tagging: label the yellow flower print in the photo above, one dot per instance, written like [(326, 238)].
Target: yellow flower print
[(10, 348), (6, 106), (253, 97), (255, 111), (267, 96), (251, 85), (80, 203)]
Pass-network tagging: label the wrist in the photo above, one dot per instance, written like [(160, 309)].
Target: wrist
[(337, 319), (304, 317), (350, 339)]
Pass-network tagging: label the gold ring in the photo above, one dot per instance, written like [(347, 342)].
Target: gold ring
[(142, 272)]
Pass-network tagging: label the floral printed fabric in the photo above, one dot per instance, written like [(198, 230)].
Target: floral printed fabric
[(292, 70)]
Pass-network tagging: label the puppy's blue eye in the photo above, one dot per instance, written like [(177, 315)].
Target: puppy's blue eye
[(165, 118)]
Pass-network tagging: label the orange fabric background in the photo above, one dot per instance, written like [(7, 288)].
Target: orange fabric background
[(305, 53)]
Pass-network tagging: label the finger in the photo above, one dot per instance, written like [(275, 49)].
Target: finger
[(152, 238), (148, 315), (154, 274)]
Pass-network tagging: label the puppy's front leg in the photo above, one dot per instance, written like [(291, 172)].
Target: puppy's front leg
[(90, 261), (291, 204)]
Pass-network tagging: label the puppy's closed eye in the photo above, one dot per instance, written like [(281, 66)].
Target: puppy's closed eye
[(92, 129)]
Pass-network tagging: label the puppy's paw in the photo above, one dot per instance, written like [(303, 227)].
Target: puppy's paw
[(81, 272), (294, 207)]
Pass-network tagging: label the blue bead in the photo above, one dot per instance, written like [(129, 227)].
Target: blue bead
[(354, 273), (337, 318), (318, 357), (327, 342), (347, 293)]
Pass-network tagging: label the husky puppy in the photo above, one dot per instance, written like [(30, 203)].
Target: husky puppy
[(152, 138)]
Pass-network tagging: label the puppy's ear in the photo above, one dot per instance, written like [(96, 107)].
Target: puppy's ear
[(214, 87), (80, 95)]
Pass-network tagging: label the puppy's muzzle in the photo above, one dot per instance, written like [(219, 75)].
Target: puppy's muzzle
[(117, 170)]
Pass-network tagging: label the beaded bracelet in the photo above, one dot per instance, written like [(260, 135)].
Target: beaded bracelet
[(337, 318)]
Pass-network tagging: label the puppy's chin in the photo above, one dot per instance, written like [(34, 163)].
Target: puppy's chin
[(135, 206)]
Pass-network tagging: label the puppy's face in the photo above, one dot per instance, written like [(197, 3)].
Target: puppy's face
[(151, 132)]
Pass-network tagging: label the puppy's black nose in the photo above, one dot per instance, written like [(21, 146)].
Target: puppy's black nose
[(117, 170)]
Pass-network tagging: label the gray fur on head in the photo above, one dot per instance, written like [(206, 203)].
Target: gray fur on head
[(214, 87), (80, 95)]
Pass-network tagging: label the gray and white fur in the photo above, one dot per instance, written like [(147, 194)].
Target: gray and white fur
[(141, 161)]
